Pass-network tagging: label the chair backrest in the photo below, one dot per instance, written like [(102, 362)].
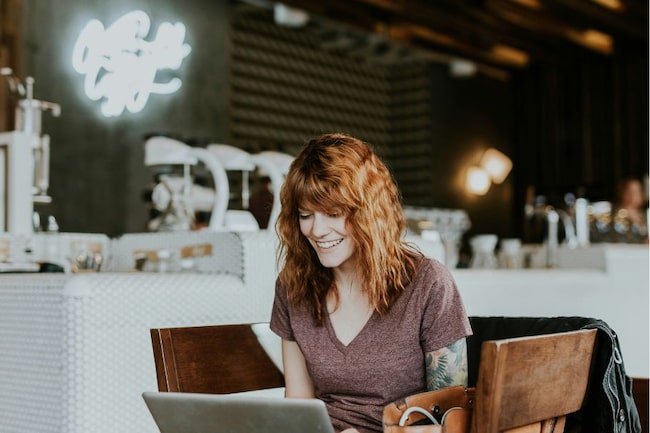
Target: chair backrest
[(530, 384), (212, 359)]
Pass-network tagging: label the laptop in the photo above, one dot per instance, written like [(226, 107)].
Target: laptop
[(178, 412)]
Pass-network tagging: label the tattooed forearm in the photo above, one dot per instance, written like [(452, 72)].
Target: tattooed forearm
[(447, 366)]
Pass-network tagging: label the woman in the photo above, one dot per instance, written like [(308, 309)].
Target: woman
[(364, 318), (630, 223)]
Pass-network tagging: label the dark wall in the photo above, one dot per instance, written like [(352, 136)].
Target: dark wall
[(469, 116), (581, 126), (97, 163), (580, 123)]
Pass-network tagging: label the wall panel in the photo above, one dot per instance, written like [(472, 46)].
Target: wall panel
[(285, 88)]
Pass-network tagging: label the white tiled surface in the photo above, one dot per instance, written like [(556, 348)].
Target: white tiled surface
[(618, 295), (75, 350)]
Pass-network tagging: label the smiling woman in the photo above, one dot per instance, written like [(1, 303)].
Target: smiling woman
[(350, 286)]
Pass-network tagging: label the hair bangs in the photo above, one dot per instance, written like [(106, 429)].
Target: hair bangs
[(321, 194)]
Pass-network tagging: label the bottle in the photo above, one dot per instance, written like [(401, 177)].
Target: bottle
[(582, 222), (51, 243)]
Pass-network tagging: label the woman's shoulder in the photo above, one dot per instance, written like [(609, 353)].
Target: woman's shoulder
[(428, 265), (431, 273), (280, 289)]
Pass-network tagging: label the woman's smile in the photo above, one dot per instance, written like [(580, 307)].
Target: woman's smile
[(328, 244)]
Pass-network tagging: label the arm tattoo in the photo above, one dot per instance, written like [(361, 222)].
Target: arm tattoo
[(447, 366)]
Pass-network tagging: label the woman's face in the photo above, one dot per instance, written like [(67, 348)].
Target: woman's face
[(633, 195), (328, 235)]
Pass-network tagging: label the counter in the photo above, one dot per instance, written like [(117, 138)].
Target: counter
[(616, 292), (75, 351)]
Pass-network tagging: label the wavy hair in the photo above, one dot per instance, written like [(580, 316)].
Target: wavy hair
[(337, 171)]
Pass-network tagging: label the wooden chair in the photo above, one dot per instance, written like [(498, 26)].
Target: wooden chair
[(530, 384), (525, 385), (212, 359)]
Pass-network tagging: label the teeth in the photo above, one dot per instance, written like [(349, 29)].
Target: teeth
[(329, 244)]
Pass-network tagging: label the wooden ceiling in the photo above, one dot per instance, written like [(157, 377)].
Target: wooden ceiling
[(497, 36)]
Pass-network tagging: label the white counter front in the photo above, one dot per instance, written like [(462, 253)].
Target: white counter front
[(618, 295), (75, 349)]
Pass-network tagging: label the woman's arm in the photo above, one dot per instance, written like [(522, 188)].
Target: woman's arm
[(447, 366), (296, 377)]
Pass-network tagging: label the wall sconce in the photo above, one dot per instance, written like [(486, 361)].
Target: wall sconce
[(495, 167), (477, 180)]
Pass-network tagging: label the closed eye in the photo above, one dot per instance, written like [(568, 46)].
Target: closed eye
[(304, 215)]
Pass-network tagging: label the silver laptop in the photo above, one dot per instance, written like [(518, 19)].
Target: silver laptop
[(176, 412)]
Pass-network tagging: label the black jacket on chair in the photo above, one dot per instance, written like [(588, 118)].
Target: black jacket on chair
[(609, 405)]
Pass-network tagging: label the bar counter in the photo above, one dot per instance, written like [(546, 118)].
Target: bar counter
[(616, 291), (75, 351)]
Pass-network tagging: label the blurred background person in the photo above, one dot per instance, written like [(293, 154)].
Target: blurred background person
[(631, 217)]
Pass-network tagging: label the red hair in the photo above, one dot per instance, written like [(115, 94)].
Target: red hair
[(336, 171)]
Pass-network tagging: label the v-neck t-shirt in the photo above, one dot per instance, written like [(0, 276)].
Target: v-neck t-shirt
[(385, 361)]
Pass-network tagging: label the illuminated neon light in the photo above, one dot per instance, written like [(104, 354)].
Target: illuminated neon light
[(120, 66)]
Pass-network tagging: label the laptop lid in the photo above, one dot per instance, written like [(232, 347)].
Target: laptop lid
[(176, 412)]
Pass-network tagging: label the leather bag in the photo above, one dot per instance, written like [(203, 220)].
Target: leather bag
[(446, 410)]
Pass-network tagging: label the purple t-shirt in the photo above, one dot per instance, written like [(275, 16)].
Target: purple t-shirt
[(385, 361)]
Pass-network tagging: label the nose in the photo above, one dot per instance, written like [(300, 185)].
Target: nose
[(320, 225)]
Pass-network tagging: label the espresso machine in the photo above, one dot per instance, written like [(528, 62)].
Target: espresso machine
[(24, 159), (175, 195)]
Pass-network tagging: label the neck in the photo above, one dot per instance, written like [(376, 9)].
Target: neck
[(346, 282), (348, 293)]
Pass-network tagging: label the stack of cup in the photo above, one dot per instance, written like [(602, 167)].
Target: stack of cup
[(483, 251), (510, 254)]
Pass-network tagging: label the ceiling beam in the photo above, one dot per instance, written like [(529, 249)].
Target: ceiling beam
[(526, 31)]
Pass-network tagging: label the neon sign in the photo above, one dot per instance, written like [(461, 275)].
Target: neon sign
[(120, 66)]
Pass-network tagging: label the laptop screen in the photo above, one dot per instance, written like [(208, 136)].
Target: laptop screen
[(176, 412)]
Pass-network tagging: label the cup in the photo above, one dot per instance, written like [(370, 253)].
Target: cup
[(483, 251), (85, 256), (510, 254)]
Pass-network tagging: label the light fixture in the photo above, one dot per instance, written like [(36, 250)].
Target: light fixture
[(120, 65), (494, 168), (510, 55), (461, 68), (592, 39), (477, 180), (288, 16), (531, 4), (496, 164), (614, 5)]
